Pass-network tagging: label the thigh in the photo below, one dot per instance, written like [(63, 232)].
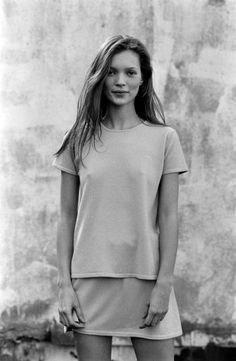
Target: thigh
[(153, 350), (93, 347)]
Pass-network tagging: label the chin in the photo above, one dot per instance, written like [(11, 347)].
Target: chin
[(121, 101)]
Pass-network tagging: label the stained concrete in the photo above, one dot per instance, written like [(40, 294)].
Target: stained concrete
[(46, 50)]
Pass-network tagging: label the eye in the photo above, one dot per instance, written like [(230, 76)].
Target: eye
[(111, 72), (131, 72)]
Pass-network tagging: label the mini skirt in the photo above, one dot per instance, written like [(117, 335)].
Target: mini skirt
[(115, 307)]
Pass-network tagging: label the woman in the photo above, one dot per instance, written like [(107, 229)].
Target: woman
[(117, 235)]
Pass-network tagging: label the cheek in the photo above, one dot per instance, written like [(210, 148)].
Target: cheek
[(135, 82), (107, 84), (134, 85)]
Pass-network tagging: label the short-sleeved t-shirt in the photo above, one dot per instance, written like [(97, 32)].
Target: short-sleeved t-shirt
[(116, 232)]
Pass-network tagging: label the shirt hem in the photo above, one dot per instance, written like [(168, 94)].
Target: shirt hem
[(64, 169), (129, 334), (113, 275), (175, 170)]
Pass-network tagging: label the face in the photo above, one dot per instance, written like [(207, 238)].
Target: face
[(124, 78)]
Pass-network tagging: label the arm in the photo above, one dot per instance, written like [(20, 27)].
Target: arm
[(168, 224), (65, 232), (68, 300)]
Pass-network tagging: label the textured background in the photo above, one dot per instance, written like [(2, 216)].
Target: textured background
[(46, 49)]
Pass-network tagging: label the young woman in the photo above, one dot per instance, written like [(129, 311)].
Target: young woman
[(117, 234)]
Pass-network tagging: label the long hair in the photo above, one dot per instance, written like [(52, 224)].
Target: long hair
[(92, 103)]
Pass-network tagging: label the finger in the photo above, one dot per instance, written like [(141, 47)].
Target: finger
[(62, 319), (143, 325), (146, 311), (163, 316), (151, 314), (72, 322), (147, 321), (68, 318), (79, 314), (158, 318), (65, 318), (155, 320)]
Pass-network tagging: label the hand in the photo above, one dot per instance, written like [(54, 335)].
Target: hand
[(157, 307), (68, 302)]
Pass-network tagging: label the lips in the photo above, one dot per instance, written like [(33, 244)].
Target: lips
[(119, 92)]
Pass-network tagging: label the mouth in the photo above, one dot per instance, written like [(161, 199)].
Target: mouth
[(119, 92)]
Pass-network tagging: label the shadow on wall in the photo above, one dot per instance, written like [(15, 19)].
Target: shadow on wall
[(210, 353), (216, 2)]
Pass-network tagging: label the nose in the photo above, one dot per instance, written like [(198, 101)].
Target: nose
[(120, 80)]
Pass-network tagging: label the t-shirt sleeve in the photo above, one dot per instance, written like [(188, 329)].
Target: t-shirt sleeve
[(64, 161), (174, 161)]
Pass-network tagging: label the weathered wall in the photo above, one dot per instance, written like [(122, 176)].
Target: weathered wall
[(46, 49)]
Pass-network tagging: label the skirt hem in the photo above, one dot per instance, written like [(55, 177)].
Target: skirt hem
[(129, 334)]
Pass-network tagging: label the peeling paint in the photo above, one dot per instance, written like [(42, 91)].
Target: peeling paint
[(216, 2), (206, 94)]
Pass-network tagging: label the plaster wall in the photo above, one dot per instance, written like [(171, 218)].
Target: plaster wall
[(46, 49)]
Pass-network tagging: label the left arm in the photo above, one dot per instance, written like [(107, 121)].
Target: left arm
[(168, 225)]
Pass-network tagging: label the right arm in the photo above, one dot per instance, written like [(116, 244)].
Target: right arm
[(68, 301)]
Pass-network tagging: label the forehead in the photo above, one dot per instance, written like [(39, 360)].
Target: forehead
[(126, 58)]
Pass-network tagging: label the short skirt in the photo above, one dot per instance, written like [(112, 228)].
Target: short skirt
[(115, 307)]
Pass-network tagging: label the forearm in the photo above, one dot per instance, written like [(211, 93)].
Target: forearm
[(65, 236), (168, 225)]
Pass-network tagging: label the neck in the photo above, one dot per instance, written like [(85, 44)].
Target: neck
[(119, 117)]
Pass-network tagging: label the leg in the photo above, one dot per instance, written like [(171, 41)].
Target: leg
[(153, 350), (93, 347)]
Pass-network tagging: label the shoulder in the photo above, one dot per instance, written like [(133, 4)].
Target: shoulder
[(164, 130)]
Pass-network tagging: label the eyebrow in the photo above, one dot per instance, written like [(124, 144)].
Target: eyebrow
[(129, 68)]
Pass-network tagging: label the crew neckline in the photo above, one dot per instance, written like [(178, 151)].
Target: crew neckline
[(122, 130)]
